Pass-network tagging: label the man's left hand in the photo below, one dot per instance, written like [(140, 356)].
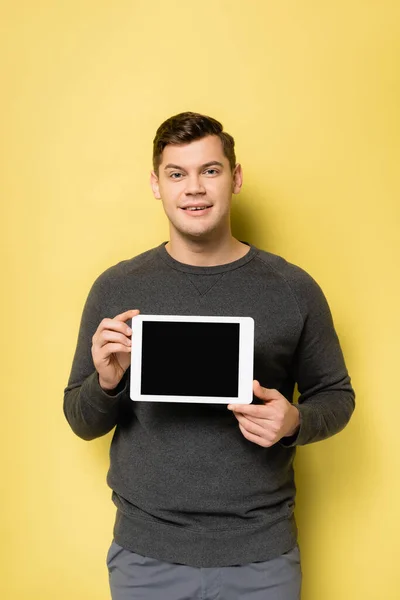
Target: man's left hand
[(265, 424)]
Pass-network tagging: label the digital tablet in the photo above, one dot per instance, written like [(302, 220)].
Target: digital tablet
[(192, 359)]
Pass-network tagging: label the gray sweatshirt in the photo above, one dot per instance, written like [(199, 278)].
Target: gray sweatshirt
[(188, 487)]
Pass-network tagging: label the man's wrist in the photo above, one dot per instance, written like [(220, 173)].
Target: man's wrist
[(296, 422), (107, 389)]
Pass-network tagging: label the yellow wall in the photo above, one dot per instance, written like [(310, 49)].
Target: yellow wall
[(311, 92)]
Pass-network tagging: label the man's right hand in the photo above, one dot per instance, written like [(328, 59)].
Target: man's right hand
[(111, 349)]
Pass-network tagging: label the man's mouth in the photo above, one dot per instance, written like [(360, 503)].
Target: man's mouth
[(192, 208)]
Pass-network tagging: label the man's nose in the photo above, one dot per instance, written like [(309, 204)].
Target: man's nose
[(194, 186)]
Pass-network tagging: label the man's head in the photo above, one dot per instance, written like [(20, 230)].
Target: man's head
[(195, 168), (188, 127)]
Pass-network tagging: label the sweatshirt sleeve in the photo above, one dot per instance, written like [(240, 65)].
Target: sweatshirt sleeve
[(327, 399), (90, 411)]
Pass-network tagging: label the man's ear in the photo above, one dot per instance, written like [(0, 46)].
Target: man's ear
[(154, 185), (237, 179)]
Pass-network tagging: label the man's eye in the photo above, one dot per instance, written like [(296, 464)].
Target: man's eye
[(176, 175), (212, 171)]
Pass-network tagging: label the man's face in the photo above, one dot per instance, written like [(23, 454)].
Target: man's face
[(195, 184)]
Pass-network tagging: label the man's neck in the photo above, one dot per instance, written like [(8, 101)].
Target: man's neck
[(206, 254)]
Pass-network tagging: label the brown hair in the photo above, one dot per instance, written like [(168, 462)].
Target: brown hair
[(187, 127)]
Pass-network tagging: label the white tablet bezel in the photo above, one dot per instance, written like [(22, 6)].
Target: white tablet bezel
[(246, 360)]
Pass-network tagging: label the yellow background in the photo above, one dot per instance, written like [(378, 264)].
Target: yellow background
[(311, 92)]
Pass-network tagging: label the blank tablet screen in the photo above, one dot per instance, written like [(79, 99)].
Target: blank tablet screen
[(190, 359)]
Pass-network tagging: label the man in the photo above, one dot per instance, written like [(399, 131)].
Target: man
[(205, 494)]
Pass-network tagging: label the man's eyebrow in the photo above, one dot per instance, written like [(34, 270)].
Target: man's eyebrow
[(208, 164), (171, 166), (211, 163)]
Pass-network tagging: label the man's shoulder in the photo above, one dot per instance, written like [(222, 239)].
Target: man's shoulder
[(295, 279), (288, 271), (139, 264)]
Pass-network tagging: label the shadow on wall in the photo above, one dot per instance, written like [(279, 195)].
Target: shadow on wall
[(246, 226), (332, 477), (333, 481)]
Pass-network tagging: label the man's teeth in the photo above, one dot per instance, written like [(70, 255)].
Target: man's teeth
[(196, 207)]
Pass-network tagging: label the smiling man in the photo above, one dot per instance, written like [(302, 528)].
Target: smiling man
[(205, 495)]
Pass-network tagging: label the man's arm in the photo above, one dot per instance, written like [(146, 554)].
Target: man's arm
[(90, 410), (98, 377), (326, 400)]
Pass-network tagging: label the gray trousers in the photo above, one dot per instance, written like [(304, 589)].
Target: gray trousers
[(135, 577)]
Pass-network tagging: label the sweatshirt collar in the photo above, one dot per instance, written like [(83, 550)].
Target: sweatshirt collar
[(179, 266)]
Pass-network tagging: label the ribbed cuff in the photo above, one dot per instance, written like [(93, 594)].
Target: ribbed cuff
[(94, 395), (308, 424)]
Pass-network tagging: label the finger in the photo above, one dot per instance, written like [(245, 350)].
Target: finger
[(129, 314), (108, 336), (111, 348), (256, 439), (261, 422), (113, 325), (265, 394), (250, 426), (259, 411)]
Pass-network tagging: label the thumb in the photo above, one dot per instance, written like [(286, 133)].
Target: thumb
[(265, 394)]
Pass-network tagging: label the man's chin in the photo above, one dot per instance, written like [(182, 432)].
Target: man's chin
[(197, 234)]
